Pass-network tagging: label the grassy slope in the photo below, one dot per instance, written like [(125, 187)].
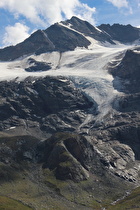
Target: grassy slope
[(10, 204), (51, 194), (130, 202)]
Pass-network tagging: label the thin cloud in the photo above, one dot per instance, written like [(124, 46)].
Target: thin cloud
[(15, 34), (119, 3), (86, 13), (123, 6)]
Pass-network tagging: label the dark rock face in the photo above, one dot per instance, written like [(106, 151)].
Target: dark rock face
[(37, 43), (59, 158), (128, 75), (88, 30), (14, 152), (65, 39), (18, 149), (50, 104), (124, 34), (71, 157), (128, 103), (118, 141), (37, 66), (128, 71)]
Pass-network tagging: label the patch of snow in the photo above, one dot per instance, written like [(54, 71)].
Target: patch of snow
[(72, 29), (63, 80), (32, 91), (28, 155), (11, 128), (48, 38), (69, 25), (98, 29), (136, 42), (136, 51), (106, 33)]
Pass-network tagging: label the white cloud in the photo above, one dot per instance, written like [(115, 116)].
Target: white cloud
[(119, 3), (45, 12), (15, 34), (86, 13)]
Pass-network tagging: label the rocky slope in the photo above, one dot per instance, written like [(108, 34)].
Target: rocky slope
[(45, 105), (71, 141), (121, 33), (128, 71), (65, 171)]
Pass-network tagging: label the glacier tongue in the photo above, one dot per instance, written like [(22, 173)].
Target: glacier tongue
[(86, 67)]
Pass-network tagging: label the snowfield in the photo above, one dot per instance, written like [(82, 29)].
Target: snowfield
[(87, 68)]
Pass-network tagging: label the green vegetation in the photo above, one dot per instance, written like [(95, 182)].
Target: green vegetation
[(73, 192), (130, 202), (7, 173), (15, 142), (51, 181), (10, 204)]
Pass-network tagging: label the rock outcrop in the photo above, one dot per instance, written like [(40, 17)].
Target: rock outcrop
[(121, 33), (128, 72), (87, 29), (48, 105)]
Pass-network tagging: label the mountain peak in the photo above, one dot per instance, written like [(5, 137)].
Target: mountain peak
[(69, 34)]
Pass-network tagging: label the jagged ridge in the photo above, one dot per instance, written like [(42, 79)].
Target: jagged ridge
[(60, 38)]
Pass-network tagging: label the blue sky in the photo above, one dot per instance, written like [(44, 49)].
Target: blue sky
[(18, 19)]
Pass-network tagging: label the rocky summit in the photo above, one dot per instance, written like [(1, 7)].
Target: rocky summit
[(70, 118)]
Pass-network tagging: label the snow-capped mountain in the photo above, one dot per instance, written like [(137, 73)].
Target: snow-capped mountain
[(68, 35), (78, 84)]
